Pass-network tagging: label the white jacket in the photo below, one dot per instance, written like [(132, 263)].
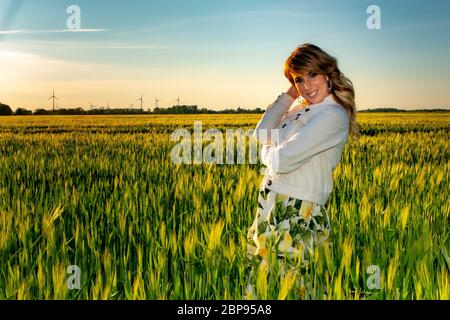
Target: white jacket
[(301, 160)]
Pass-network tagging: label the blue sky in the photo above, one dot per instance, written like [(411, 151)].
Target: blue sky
[(218, 54)]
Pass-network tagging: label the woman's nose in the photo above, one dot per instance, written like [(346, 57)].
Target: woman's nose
[(306, 84)]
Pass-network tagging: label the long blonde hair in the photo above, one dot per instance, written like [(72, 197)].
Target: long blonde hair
[(310, 58)]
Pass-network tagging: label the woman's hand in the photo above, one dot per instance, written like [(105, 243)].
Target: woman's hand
[(293, 92)]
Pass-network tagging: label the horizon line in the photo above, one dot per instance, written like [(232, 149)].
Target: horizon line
[(230, 108)]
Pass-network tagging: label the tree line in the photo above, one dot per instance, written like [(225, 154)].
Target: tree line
[(183, 109), (402, 110), (5, 110)]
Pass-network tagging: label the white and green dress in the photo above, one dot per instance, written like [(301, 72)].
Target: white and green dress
[(288, 227)]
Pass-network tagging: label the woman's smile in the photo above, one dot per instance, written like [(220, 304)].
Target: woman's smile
[(312, 94)]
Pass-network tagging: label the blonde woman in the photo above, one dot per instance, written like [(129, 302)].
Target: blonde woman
[(301, 148)]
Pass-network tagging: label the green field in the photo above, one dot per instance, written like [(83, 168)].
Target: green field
[(101, 193)]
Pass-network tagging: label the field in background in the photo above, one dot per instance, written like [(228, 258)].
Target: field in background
[(102, 193)]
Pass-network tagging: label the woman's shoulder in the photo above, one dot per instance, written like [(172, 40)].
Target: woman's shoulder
[(331, 113), (331, 104)]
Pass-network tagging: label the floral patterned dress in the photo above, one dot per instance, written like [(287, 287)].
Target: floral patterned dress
[(288, 226)]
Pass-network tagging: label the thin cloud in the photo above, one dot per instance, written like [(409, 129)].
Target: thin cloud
[(83, 45), (23, 68), (11, 32)]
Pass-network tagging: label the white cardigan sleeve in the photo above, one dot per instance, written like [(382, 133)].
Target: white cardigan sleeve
[(323, 131), (272, 117)]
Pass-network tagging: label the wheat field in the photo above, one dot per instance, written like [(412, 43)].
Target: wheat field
[(102, 193)]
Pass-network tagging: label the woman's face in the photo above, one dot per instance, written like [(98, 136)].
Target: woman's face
[(311, 86)]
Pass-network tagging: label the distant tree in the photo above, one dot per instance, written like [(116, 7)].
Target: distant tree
[(5, 110), (41, 112), (22, 112)]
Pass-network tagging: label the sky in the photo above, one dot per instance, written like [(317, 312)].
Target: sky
[(218, 54)]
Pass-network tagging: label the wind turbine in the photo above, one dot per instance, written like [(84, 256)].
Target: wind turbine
[(156, 102), (178, 100), (92, 106), (142, 101), (53, 97), (107, 107)]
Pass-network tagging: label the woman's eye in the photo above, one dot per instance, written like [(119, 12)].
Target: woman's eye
[(298, 80), (312, 75)]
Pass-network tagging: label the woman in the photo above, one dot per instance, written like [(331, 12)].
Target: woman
[(301, 148)]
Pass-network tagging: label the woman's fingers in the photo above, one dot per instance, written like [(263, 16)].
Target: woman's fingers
[(292, 91)]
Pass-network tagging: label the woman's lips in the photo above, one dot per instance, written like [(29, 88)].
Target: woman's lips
[(312, 94)]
